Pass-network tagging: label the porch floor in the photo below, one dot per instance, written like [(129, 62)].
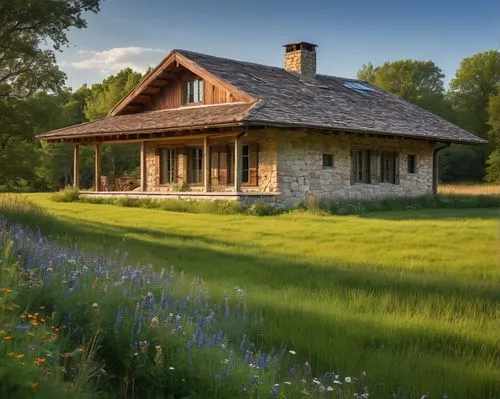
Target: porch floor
[(242, 197)]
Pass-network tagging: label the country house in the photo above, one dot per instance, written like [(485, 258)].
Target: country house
[(216, 128)]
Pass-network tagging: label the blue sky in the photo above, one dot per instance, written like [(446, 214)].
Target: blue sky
[(139, 33)]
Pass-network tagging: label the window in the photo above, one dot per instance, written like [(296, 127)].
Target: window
[(250, 161), (193, 92), (360, 166), (195, 159), (168, 165), (327, 161), (389, 167), (412, 163)]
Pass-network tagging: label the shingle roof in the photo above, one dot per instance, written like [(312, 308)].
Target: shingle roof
[(324, 102), (162, 120), (286, 99)]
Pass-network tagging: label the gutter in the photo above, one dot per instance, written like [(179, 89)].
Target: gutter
[(435, 167)]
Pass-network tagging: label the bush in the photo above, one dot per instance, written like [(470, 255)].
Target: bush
[(69, 194)]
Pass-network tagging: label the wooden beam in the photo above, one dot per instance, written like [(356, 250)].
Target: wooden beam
[(143, 166), (97, 166), (76, 166), (151, 90), (206, 165), (238, 164)]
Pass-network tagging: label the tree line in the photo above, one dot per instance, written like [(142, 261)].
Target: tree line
[(34, 99)]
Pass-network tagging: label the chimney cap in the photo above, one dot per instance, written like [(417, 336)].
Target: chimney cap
[(295, 46)]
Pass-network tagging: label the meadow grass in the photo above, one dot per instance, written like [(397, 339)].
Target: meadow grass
[(469, 189), (411, 297)]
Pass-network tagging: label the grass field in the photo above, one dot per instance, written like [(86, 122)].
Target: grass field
[(412, 298), (470, 189)]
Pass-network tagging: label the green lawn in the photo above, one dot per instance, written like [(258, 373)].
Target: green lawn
[(411, 297)]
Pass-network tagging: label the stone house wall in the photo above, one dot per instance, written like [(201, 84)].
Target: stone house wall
[(291, 165), (301, 171)]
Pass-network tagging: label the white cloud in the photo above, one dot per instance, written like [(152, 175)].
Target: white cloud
[(118, 58)]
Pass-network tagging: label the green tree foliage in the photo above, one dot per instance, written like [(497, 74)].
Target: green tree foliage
[(28, 68), (104, 96), (420, 82), (493, 163), (475, 81)]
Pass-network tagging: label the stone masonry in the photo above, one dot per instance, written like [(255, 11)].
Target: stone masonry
[(301, 171), (291, 165)]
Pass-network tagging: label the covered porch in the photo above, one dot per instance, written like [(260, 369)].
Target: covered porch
[(222, 165)]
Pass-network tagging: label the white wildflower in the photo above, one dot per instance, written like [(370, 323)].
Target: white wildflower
[(292, 352)]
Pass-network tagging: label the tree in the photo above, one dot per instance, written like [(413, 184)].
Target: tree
[(103, 96), (27, 67), (420, 82), (493, 163), (475, 81)]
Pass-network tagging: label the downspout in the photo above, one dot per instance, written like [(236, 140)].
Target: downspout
[(435, 168)]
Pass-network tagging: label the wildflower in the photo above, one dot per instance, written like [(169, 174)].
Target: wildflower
[(348, 380), (329, 388), (8, 338), (154, 321), (291, 352), (143, 346), (6, 290), (20, 356), (171, 368), (10, 354), (39, 361), (95, 306), (316, 381), (287, 383), (34, 385)]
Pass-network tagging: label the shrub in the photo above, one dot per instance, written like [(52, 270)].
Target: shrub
[(69, 194)]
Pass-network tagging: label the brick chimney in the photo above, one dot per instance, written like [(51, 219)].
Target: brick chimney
[(301, 57)]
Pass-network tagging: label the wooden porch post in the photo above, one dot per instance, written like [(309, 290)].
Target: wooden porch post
[(206, 165), (143, 166), (238, 164), (76, 166), (97, 166)]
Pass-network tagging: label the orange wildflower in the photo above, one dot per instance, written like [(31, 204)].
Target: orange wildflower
[(34, 385), (39, 361), (6, 290)]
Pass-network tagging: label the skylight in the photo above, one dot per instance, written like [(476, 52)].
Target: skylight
[(358, 87)]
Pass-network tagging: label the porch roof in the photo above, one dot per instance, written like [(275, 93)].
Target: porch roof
[(197, 117)]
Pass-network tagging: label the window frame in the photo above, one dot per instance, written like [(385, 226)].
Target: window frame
[(252, 167), (363, 168), (328, 157), (174, 165), (194, 88), (411, 167), (389, 172), (195, 158)]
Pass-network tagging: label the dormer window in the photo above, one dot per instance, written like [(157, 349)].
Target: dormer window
[(193, 92)]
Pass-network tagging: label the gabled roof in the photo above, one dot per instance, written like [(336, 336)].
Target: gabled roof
[(276, 97), (324, 102)]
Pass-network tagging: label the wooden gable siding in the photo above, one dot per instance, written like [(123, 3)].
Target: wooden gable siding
[(170, 95)]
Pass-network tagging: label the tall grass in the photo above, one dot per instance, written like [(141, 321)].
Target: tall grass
[(410, 297), (152, 334), (469, 189)]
